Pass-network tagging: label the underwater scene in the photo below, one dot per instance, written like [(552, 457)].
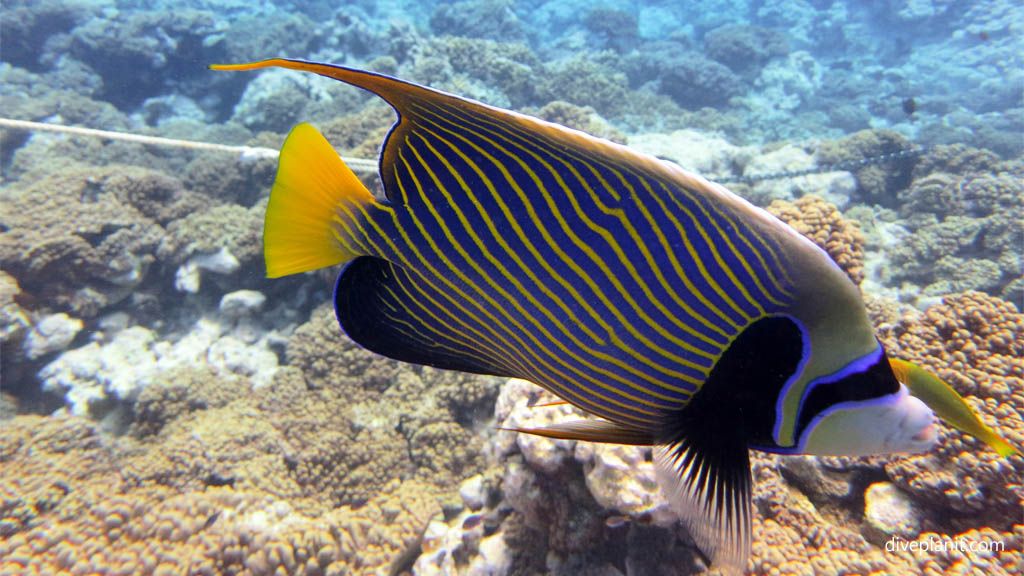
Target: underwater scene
[(595, 288)]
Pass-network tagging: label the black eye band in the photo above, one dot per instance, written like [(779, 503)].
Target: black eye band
[(864, 379)]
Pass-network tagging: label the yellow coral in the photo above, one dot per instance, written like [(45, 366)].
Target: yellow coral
[(820, 221)]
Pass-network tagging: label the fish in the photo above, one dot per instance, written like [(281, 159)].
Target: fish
[(673, 311), (909, 106)]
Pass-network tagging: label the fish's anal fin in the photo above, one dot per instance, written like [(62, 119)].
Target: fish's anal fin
[(706, 476), (601, 431)]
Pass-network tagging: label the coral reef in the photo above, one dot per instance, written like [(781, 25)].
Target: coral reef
[(742, 47), (964, 229), (583, 118), (97, 521), (693, 81), (819, 220), (28, 25), (974, 342), (876, 183), (133, 359), (206, 420), (585, 81), (230, 230), (70, 239), (287, 477), (155, 45), (617, 29), (596, 508), (13, 318), (494, 19), (512, 69)]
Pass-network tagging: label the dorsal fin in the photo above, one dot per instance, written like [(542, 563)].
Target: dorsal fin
[(413, 102)]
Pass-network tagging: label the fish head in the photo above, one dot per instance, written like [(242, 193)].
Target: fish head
[(890, 424)]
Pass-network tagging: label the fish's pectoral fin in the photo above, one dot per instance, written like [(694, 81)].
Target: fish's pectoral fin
[(602, 431), (704, 471), (948, 404)]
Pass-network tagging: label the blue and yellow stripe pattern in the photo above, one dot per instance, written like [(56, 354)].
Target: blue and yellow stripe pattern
[(682, 315), (515, 247)]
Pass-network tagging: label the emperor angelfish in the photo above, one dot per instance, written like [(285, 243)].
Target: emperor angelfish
[(679, 314)]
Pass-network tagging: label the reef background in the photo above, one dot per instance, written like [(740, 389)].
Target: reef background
[(165, 409)]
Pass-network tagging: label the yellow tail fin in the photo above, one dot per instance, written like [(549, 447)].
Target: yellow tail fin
[(306, 226)]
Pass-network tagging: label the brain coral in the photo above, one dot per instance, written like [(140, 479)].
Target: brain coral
[(976, 343), (824, 224)]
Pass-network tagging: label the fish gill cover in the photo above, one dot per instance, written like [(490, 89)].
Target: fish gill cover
[(165, 405)]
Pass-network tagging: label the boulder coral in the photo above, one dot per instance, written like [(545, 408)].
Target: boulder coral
[(586, 81), (72, 240), (694, 81), (477, 19), (820, 221), (744, 48), (877, 183), (965, 233), (305, 475), (975, 342)]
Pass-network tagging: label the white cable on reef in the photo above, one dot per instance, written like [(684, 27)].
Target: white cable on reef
[(247, 153), (244, 152)]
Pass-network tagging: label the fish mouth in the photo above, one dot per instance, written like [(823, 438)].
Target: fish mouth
[(919, 424), (928, 435)]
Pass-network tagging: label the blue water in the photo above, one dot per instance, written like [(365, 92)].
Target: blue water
[(152, 376)]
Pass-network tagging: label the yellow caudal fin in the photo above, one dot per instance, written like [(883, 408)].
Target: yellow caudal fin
[(310, 220), (947, 404)]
